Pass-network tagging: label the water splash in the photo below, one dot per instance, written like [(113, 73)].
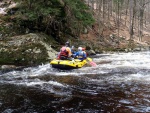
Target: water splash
[(120, 81)]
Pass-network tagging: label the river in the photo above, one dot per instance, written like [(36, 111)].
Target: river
[(119, 84)]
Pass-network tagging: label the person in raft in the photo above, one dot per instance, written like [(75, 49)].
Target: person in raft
[(73, 51), (81, 55), (65, 52), (84, 50)]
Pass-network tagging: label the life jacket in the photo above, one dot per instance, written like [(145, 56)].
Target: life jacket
[(63, 52), (85, 53), (83, 49), (80, 54)]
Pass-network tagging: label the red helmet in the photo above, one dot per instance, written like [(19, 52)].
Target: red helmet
[(83, 49)]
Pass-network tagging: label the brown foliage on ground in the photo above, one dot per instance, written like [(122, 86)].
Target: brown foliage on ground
[(109, 29)]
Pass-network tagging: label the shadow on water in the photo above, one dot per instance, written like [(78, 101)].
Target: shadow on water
[(83, 93)]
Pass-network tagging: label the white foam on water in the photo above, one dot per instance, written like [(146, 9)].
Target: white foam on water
[(47, 86), (140, 77), (38, 82), (119, 63), (127, 59), (129, 78), (43, 82)]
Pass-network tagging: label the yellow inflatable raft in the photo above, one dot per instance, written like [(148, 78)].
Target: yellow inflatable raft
[(68, 64)]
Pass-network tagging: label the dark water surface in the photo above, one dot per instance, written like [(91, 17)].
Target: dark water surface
[(119, 84)]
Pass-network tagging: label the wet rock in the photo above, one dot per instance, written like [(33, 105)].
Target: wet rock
[(128, 50), (137, 49), (29, 49), (8, 67), (91, 52)]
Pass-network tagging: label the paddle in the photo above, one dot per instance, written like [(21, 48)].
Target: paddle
[(91, 62)]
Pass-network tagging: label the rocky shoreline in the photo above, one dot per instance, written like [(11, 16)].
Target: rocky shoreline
[(30, 49), (33, 49)]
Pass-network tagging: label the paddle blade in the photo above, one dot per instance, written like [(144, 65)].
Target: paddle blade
[(93, 64)]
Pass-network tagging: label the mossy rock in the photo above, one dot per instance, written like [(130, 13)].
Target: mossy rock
[(24, 55)]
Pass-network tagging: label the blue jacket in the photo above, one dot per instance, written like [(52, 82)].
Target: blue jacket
[(80, 55)]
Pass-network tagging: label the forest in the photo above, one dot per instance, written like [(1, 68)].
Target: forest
[(102, 22), (131, 13), (69, 18)]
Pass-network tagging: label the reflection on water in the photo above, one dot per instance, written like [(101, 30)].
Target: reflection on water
[(119, 84)]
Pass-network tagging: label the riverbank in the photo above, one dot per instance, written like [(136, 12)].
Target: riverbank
[(21, 45), (34, 49)]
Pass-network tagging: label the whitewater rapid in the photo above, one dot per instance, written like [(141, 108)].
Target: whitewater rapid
[(119, 84), (122, 66)]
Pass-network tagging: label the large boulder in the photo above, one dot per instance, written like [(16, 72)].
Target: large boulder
[(29, 49), (91, 52)]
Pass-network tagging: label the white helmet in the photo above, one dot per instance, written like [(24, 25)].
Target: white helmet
[(80, 48)]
